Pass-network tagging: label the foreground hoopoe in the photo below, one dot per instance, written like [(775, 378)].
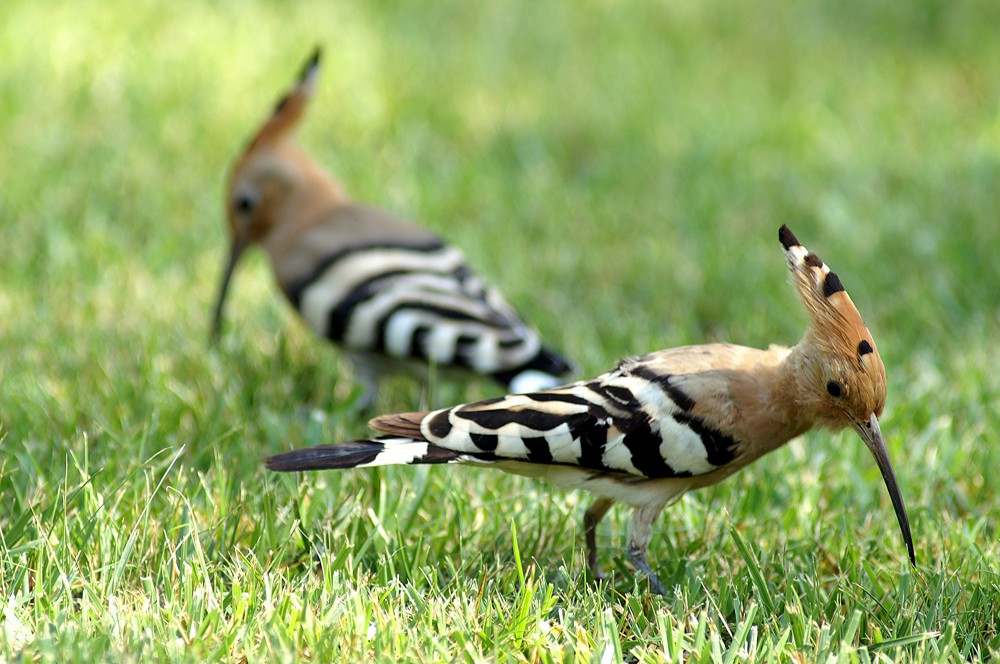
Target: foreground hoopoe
[(662, 424), (391, 294)]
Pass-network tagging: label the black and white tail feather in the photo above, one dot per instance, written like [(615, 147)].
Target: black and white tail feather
[(383, 451)]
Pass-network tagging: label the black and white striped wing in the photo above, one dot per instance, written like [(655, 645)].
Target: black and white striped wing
[(627, 421), (417, 300)]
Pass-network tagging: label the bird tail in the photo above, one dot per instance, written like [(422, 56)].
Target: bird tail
[(400, 425), (385, 451)]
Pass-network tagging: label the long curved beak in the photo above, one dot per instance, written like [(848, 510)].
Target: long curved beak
[(872, 435), (234, 256)]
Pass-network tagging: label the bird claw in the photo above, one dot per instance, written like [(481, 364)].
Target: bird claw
[(638, 559), (655, 586)]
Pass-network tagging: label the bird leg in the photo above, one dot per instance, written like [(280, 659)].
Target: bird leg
[(640, 532), (591, 518)]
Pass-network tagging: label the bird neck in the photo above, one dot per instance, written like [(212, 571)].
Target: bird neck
[(303, 210), (795, 385), (762, 393)]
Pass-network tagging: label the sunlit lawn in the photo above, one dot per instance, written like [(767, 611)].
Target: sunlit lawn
[(620, 171)]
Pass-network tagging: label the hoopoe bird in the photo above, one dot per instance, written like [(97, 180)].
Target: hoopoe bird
[(662, 424), (394, 296)]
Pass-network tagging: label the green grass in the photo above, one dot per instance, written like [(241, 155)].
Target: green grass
[(620, 171)]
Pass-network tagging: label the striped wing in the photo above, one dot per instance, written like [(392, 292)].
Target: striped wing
[(417, 300), (630, 421)]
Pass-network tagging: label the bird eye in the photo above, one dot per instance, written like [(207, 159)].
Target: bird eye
[(834, 388), (244, 203)]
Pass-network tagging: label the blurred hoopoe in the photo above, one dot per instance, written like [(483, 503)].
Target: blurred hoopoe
[(662, 424), (391, 294)]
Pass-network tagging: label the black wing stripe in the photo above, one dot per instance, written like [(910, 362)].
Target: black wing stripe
[(721, 449), (645, 448), (593, 441), (561, 397), (538, 450), (418, 342), (438, 424), (676, 394), (294, 291), (339, 318), (485, 441), (535, 420)]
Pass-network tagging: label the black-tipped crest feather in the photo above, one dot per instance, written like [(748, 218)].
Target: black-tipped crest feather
[(787, 237), (311, 64), (832, 284)]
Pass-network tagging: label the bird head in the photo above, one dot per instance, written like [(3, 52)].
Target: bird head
[(273, 184), (840, 377)]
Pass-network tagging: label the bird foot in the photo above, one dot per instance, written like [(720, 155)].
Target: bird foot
[(637, 557)]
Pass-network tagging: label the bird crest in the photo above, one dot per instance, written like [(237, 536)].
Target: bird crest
[(850, 357), (282, 122)]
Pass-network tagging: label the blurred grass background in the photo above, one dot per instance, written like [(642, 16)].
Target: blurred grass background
[(620, 171)]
